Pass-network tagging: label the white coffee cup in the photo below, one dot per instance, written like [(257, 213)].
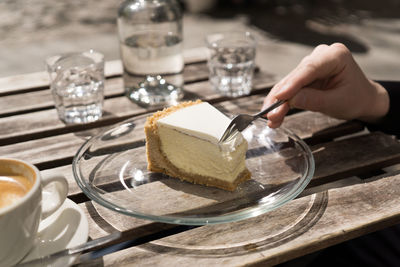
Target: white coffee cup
[(21, 207)]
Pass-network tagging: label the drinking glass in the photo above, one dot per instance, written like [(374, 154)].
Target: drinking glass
[(150, 35), (231, 62), (77, 85)]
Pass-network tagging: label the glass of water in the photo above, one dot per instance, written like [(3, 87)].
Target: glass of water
[(151, 41), (77, 85), (231, 62)]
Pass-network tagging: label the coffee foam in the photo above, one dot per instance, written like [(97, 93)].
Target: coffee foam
[(16, 179)]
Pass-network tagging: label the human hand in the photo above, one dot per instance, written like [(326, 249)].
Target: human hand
[(329, 81)]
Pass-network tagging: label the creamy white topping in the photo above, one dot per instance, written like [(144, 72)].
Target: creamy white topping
[(202, 121)]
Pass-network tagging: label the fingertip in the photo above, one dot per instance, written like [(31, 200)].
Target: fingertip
[(274, 124), (279, 112), (275, 119), (270, 124), (271, 97)]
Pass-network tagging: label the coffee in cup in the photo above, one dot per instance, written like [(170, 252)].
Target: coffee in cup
[(14, 184), (21, 207)]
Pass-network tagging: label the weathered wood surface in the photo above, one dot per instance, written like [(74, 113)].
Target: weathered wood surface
[(45, 122), (42, 99), (113, 87), (334, 160), (302, 226), (31, 130), (103, 221), (56, 150), (27, 82)]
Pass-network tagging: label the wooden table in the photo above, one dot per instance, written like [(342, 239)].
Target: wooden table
[(353, 192)]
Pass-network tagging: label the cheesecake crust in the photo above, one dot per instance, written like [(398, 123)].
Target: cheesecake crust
[(158, 162)]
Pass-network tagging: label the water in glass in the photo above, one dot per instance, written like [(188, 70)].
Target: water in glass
[(150, 34), (78, 95), (147, 56), (77, 85), (231, 70), (231, 62)]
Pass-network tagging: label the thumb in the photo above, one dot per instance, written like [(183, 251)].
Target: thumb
[(309, 99)]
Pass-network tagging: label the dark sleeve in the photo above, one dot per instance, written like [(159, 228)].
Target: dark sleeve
[(390, 124)]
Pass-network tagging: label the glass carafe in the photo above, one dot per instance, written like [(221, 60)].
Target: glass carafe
[(150, 36)]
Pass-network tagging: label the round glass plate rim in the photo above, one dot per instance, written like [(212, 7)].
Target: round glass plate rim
[(231, 217)]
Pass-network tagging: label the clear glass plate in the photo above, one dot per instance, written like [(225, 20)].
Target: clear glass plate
[(111, 169)]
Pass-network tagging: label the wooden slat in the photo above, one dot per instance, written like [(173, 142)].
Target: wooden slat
[(197, 54), (22, 82), (101, 216), (328, 167), (335, 160), (42, 99), (38, 122), (45, 122), (386, 149), (302, 226), (112, 68), (38, 100), (55, 151), (58, 150), (41, 152), (195, 72), (354, 156)]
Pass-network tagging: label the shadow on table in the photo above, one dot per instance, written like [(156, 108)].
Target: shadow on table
[(309, 22), (251, 235)]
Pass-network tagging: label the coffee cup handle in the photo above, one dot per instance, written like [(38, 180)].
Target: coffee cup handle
[(51, 202)]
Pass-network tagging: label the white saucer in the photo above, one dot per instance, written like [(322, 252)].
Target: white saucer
[(67, 227)]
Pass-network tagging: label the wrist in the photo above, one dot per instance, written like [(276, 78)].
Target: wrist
[(378, 106)]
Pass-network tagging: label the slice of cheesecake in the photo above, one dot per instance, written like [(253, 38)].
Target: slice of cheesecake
[(182, 142)]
